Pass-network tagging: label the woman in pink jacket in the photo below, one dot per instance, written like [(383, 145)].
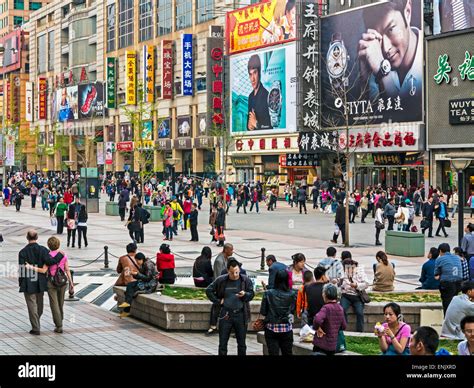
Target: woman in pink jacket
[(168, 221)]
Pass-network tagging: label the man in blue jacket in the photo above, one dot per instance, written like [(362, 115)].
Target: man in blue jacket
[(448, 270), (273, 268)]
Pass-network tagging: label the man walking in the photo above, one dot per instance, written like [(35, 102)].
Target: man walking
[(340, 221), (33, 195), (428, 214), (220, 224), (389, 212), (33, 284), (232, 292), (193, 222), (467, 246), (301, 193)]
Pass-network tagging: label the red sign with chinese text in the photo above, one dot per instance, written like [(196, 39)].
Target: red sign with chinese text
[(125, 146), (42, 86), (167, 69)]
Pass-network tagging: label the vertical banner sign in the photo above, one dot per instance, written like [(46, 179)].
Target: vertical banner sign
[(42, 86), (148, 71), (167, 69), (100, 153), (9, 97), (188, 73), (29, 102), (10, 151), (111, 83), (16, 97), (214, 80), (109, 146), (131, 87)]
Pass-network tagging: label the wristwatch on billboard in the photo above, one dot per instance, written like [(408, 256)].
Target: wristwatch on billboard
[(385, 69), (274, 103), (336, 62)]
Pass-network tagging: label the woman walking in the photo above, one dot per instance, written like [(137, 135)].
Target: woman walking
[(71, 225), (379, 223), (82, 226)]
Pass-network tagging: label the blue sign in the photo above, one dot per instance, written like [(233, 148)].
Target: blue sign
[(188, 73)]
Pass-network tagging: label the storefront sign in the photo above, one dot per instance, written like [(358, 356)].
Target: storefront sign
[(242, 161), (131, 84), (214, 80), (164, 144), (299, 160), (16, 96), (29, 102), (125, 146), (187, 77), (461, 111), (167, 69), (100, 153), (111, 83), (109, 149), (10, 151), (317, 142), (42, 86), (204, 142), (465, 69), (183, 144), (266, 144), (144, 145), (308, 49), (148, 71)]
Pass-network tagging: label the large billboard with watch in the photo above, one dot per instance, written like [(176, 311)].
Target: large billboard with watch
[(372, 65), (263, 91)]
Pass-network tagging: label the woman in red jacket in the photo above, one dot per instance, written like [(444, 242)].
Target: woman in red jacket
[(68, 197), (165, 265)]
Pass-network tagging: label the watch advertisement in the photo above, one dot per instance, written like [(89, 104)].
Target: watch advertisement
[(91, 100), (372, 65), (263, 91)]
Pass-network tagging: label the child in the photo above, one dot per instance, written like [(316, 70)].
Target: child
[(301, 300)]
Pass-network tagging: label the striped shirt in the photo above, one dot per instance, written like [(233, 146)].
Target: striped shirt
[(280, 327)]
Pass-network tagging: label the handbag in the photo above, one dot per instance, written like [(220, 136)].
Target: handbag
[(447, 223), (364, 296), (258, 324), (379, 225), (54, 221), (424, 224)]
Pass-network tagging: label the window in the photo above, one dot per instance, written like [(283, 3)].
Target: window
[(184, 16), (82, 53), (41, 54), (17, 20), (164, 17), (18, 4), (204, 10), (125, 23), (34, 5), (82, 28), (111, 27), (51, 50), (201, 84), (146, 20)]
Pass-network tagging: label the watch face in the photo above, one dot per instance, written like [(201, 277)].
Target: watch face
[(386, 67), (336, 59), (274, 99)]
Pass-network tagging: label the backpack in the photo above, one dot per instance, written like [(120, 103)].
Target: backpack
[(60, 278)]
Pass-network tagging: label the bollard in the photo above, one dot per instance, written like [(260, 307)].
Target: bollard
[(71, 295), (106, 257), (262, 262)]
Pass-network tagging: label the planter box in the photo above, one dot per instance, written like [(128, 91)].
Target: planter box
[(111, 208), (155, 212), (406, 244)]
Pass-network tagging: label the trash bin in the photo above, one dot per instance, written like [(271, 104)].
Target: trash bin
[(155, 213), (404, 243), (111, 208)]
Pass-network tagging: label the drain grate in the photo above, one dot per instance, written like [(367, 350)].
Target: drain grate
[(87, 290), (104, 297)]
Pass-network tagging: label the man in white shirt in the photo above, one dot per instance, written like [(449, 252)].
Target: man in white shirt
[(461, 306)]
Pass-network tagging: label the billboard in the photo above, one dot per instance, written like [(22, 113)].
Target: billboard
[(91, 100), (29, 102), (109, 146), (263, 91), (167, 69), (131, 84), (187, 78), (185, 126), (215, 81), (452, 15), (164, 128), (372, 65), (111, 83), (148, 72), (260, 25), (66, 102), (147, 131)]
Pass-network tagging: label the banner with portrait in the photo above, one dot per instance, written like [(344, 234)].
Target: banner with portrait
[(91, 100), (164, 128), (185, 126), (372, 65), (67, 105), (263, 91)]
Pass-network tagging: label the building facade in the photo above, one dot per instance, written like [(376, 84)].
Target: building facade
[(14, 13)]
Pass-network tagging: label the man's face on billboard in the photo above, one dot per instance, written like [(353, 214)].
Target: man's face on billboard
[(254, 78), (395, 37)]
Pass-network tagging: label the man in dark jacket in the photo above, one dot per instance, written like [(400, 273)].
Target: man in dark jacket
[(315, 195), (33, 284), (233, 292), (193, 222), (389, 212), (428, 214), (220, 223), (273, 268), (301, 195), (340, 222), (144, 216)]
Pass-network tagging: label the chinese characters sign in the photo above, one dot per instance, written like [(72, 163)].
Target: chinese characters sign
[(187, 70), (214, 79), (111, 83), (42, 86), (167, 69), (308, 87), (316, 142), (131, 85), (461, 111), (15, 97), (10, 151), (29, 102), (267, 144), (466, 69), (299, 160), (148, 61)]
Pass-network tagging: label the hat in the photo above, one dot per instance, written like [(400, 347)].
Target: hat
[(407, 201), (173, 197)]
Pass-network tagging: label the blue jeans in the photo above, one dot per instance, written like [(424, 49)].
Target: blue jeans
[(227, 321), (44, 203), (354, 300), (455, 209), (169, 232), (256, 206)]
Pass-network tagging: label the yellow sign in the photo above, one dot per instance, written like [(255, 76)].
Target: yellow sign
[(148, 61), (261, 25), (131, 84), (144, 144)]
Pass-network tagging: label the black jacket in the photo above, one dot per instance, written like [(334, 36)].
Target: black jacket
[(220, 220), (216, 291), (428, 211), (277, 305), (31, 282), (193, 217), (144, 215), (203, 268), (340, 215)]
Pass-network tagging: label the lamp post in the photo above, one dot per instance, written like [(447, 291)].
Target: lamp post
[(69, 163), (459, 165)]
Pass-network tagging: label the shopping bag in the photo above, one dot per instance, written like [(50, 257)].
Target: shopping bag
[(54, 221)]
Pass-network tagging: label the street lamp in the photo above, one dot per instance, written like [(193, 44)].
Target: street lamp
[(172, 162), (69, 163), (459, 165)]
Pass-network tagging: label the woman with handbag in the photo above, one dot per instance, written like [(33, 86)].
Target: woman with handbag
[(71, 225), (379, 223), (277, 306), (393, 334), (353, 286)]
